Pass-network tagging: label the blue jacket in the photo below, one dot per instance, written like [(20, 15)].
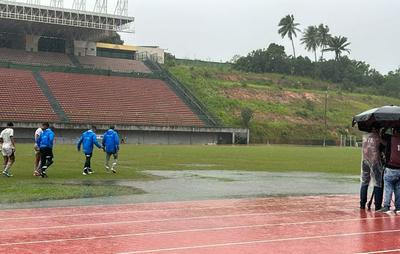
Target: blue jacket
[(111, 141), (88, 139), (46, 139)]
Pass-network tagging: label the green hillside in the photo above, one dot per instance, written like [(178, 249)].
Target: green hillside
[(286, 108)]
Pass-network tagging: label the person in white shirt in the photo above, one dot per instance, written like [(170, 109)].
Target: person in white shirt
[(37, 164), (8, 148)]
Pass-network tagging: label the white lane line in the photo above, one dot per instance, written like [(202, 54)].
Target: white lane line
[(259, 242), (193, 218), (232, 202), (380, 251), (183, 231), (142, 211)]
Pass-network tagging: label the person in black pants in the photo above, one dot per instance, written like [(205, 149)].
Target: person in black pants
[(88, 140), (45, 143), (371, 169)]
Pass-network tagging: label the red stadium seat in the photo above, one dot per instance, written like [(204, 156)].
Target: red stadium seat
[(22, 99), (119, 100)]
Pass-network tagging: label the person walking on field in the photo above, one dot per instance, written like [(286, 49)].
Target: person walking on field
[(8, 149), (88, 139), (36, 169), (45, 142), (111, 147)]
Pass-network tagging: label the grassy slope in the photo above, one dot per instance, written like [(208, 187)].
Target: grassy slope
[(285, 107), (65, 179)]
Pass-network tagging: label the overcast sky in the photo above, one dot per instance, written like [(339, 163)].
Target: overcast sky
[(218, 29)]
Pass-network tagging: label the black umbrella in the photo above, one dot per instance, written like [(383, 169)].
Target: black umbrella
[(383, 117)]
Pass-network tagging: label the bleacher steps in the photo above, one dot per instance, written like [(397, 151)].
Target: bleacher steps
[(51, 98)]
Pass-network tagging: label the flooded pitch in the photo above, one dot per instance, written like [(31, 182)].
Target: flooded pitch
[(212, 184)]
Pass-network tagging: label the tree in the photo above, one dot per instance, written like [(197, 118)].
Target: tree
[(276, 59), (114, 39), (235, 58), (323, 37), (272, 59), (311, 40), (247, 115), (338, 44), (289, 28), (170, 59)]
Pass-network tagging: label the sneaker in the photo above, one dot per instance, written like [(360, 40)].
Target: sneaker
[(107, 169), (85, 172), (113, 170), (43, 174), (385, 210), (90, 171), (36, 173), (7, 174)]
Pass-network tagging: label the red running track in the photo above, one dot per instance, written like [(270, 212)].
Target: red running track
[(316, 224)]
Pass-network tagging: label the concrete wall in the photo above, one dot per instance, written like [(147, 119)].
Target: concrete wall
[(32, 43), (151, 52), (84, 48), (70, 136)]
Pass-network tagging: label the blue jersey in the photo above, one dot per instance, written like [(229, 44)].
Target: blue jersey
[(88, 139), (111, 141), (46, 139)]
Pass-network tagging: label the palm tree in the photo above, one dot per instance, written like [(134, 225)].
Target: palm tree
[(289, 28), (311, 40), (338, 44), (323, 36)]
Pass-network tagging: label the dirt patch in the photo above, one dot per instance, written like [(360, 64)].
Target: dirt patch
[(238, 77), (230, 77), (259, 116), (272, 117), (284, 97)]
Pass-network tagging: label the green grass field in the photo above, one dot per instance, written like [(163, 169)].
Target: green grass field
[(66, 180)]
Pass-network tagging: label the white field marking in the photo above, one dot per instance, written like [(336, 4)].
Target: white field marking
[(142, 211), (195, 218), (185, 231), (197, 202), (260, 242), (379, 251)]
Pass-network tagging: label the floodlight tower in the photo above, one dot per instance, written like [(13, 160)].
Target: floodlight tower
[(100, 6), (79, 5), (57, 3), (121, 8)]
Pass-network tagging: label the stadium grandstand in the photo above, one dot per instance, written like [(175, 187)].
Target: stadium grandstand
[(57, 64)]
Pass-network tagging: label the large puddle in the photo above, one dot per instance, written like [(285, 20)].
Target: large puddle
[(215, 184)]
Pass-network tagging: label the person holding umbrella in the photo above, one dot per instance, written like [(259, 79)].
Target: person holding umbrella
[(371, 121), (371, 169)]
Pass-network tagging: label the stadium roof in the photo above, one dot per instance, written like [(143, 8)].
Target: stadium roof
[(114, 46), (32, 18)]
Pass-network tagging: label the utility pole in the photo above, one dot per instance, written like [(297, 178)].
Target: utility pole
[(325, 117)]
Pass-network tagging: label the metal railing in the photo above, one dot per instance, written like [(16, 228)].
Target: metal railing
[(185, 94)]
